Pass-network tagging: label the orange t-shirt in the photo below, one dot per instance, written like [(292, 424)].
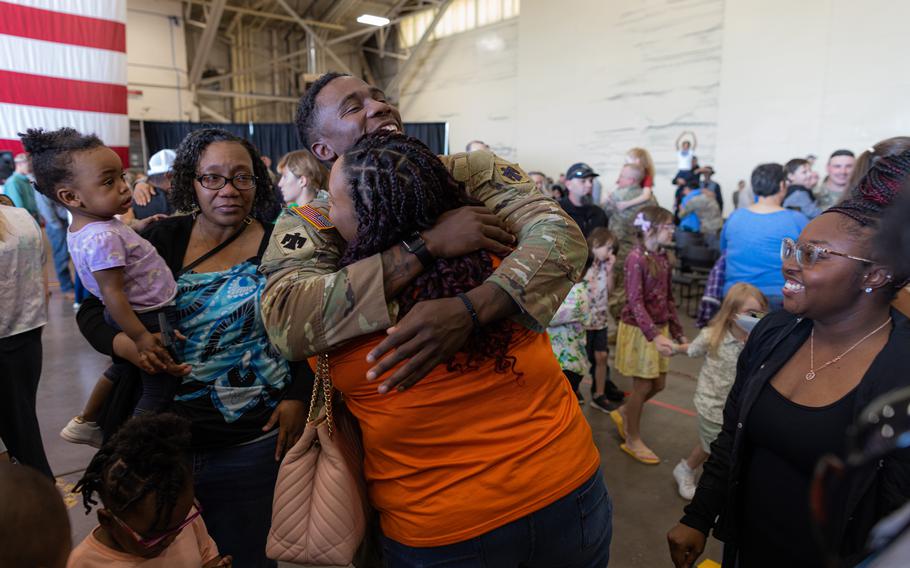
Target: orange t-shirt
[(460, 454)]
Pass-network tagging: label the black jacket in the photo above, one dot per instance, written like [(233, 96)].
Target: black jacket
[(871, 493), (587, 217)]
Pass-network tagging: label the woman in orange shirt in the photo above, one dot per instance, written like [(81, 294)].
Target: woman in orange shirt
[(488, 460)]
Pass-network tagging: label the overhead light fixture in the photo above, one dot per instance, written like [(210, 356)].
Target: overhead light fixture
[(371, 20)]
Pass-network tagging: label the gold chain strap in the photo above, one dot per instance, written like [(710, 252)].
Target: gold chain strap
[(327, 387)]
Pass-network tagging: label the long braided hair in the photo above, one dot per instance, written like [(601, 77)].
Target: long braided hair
[(147, 455), (873, 197), (876, 191), (398, 186)]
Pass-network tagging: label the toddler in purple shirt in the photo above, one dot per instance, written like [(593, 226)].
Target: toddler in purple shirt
[(113, 262)]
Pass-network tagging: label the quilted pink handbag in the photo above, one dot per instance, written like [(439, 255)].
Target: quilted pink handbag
[(318, 514)]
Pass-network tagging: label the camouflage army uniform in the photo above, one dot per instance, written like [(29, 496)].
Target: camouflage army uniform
[(622, 229), (309, 306), (825, 198), (705, 207)]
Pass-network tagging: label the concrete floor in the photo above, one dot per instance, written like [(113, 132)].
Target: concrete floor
[(646, 503)]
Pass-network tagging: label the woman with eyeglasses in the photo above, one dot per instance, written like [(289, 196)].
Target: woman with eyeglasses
[(802, 379), (244, 402)]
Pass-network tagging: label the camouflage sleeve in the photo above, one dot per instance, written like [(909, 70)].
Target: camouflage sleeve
[(551, 251), (308, 305)]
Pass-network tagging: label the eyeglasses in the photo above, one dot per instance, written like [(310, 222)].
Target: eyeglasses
[(241, 182), (153, 542), (808, 254)]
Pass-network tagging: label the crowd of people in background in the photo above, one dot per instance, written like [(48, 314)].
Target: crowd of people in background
[(422, 289)]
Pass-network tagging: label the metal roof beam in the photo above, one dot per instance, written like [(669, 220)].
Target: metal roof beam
[(270, 15), (319, 41), (207, 40), (417, 50)]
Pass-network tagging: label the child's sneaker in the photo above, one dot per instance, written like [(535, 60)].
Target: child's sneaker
[(685, 480), (602, 404), (79, 431)]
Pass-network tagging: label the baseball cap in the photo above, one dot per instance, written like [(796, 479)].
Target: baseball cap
[(580, 170), (161, 162)]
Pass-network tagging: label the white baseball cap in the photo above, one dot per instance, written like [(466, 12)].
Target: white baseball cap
[(161, 162)]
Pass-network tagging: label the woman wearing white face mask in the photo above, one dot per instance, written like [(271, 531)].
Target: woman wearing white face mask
[(720, 342), (302, 178)]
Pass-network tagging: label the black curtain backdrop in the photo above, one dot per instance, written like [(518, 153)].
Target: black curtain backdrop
[(433, 134), (273, 139)]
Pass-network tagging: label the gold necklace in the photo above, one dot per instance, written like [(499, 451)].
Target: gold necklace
[(813, 371)]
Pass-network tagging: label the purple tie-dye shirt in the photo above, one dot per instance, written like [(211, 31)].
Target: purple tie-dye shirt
[(101, 245)]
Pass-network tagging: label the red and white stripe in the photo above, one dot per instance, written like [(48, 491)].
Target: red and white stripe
[(63, 63)]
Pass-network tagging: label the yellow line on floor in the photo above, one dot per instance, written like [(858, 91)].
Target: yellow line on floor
[(66, 489)]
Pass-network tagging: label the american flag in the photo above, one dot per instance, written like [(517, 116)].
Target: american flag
[(63, 63), (313, 216)]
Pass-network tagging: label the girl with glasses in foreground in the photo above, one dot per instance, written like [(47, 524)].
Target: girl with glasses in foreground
[(149, 516)]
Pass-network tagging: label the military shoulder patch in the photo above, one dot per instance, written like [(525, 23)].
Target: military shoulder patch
[(312, 216), (511, 174)]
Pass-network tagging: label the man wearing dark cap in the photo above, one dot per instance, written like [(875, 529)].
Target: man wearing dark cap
[(579, 184)]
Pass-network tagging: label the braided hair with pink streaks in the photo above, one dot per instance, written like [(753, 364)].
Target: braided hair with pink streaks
[(873, 197), (399, 187)]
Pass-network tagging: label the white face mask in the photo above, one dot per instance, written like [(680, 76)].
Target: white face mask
[(747, 322)]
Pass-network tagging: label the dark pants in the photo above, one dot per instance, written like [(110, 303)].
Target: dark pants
[(157, 390), (235, 487), (597, 341), (55, 224), (574, 379), (20, 370), (573, 532)]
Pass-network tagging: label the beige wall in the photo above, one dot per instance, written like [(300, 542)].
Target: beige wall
[(809, 77), (471, 81), (587, 79), (610, 75), (156, 59)]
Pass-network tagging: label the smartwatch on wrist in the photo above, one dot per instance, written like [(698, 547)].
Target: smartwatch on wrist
[(415, 245)]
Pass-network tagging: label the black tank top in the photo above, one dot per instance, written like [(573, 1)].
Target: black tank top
[(785, 441)]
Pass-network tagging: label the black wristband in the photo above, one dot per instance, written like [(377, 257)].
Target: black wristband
[(416, 246), (471, 310)]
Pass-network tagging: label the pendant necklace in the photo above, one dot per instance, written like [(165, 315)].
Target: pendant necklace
[(813, 371)]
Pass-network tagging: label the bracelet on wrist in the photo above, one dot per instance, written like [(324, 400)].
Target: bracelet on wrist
[(471, 310)]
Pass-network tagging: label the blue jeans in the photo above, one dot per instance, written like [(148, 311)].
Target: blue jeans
[(573, 532), (56, 223), (235, 487), (81, 292)]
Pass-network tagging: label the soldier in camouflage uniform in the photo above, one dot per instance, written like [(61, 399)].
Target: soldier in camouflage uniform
[(310, 306), (832, 190), (622, 229)]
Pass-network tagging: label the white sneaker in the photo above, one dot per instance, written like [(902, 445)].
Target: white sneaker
[(685, 480), (78, 431)]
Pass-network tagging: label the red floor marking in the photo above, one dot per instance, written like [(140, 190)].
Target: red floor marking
[(672, 407)]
